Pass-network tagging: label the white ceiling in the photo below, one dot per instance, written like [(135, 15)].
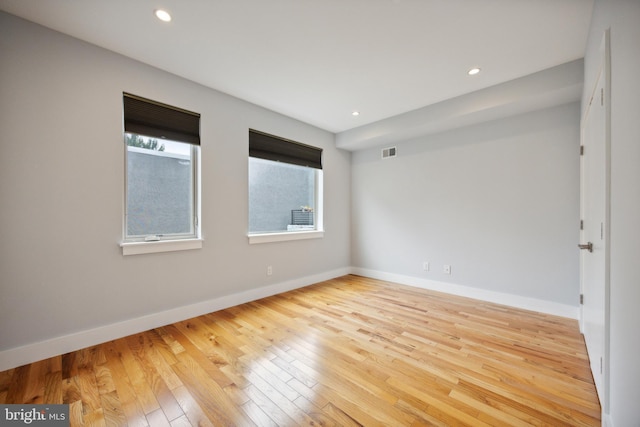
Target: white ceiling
[(319, 60)]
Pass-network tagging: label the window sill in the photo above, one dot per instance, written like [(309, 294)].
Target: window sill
[(283, 237), (136, 248)]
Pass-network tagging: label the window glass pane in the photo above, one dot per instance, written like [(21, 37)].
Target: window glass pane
[(160, 187), (281, 197)]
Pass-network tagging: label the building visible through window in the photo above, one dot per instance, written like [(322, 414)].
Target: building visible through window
[(160, 189)]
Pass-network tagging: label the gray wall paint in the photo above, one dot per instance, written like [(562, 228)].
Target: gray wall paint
[(62, 183), (497, 201), (623, 18)]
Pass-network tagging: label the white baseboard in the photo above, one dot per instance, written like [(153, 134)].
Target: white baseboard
[(60, 345), (606, 420), (533, 304)]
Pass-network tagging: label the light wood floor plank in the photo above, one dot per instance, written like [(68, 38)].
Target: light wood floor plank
[(350, 351)]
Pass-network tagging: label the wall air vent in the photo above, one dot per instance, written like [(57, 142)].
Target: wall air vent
[(389, 152)]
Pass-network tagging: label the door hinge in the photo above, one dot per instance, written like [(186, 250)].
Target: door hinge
[(582, 150), (601, 96), (581, 298), (581, 224), (601, 365)]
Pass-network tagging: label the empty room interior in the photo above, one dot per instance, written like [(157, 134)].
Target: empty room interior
[(358, 212)]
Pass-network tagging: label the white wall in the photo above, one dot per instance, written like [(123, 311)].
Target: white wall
[(623, 19), (498, 201), (61, 190)]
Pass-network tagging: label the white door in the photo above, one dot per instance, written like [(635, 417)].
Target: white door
[(594, 231)]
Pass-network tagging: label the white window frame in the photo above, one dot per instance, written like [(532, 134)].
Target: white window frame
[(134, 245), (283, 236)]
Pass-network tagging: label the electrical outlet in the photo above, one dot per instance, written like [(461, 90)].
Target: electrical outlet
[(447, 269), (269, 270), (425, 265)]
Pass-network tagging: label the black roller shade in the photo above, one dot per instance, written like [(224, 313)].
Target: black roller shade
[(269, 147), (150, 118)]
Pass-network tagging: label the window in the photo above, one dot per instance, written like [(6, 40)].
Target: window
[(162, 174), (285, 188)]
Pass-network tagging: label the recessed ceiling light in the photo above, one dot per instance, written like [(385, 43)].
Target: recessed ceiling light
[(162, 15), (473, 71), (355, 113)]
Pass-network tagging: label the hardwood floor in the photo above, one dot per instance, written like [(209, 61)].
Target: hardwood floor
[(350, 351)]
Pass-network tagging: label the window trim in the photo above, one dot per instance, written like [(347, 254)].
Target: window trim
[(284, 236), (318, 220), (195, 174), (137, 248), (152, 119)]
